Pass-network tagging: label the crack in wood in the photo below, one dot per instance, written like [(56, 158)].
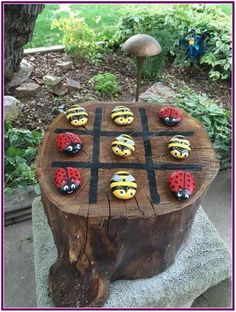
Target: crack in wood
[(109, 216), (151, 203), (80, 190), (82, 250), (139, 206)]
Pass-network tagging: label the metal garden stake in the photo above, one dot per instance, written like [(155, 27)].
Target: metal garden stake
[(141, 46)]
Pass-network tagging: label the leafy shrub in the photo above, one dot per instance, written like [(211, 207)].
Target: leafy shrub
[(20, 150), (78, 38), (216, 120), (153, 66), (106, 84), (178, 20)]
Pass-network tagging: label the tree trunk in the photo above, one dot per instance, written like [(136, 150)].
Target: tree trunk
[(99, 238), (19, 22)]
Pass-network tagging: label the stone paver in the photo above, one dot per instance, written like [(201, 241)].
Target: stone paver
[(19, 267)]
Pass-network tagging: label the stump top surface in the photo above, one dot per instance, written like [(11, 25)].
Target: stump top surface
[(151, 164)]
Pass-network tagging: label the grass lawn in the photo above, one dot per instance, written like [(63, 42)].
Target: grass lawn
[(103, 18), (226, 8)]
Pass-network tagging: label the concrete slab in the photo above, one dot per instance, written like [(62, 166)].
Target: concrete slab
[(19, 267), (217, 205)]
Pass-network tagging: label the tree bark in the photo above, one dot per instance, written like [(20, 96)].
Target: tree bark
[(19, 22)]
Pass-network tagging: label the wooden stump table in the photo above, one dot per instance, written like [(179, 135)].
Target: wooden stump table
[(99, 238)]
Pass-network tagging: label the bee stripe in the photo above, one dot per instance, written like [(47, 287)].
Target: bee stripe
[(118, 114), (127, 136), (180, 141), (125, 173), (117, 108), (121, 183), (122, 148), (114, 143), (82, 114), (73, 108), (173, 145), (131, 188)]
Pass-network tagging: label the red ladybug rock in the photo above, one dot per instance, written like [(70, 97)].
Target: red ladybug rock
[(182, 184), (170, 116), (69, 142), (68, 179)]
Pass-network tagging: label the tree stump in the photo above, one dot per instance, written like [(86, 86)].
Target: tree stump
[(99, 238)]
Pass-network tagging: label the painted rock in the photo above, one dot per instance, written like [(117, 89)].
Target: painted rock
[(77, 115), (68, 179), (179, 147), (182, 184), (123, 145), (170, 116), (123, 185), (69, 143), (122, 115)]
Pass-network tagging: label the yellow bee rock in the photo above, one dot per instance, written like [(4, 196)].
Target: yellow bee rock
[(179, 147), (122, 115), (123, 185), (123, 145), (77, 115)]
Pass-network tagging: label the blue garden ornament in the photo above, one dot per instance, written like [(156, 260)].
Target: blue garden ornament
[(195, 44)]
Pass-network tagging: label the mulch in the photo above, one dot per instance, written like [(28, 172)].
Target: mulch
[(39, 111)]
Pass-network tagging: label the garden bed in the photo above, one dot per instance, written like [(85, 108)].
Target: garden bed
[(39, 111)]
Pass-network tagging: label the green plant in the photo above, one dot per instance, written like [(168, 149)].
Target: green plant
[(106, 84), (78, 38), (153, 66), (216, 120), (20, 150), (178, 20)]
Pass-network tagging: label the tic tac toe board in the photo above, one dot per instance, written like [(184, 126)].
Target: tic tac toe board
[(151, 164)]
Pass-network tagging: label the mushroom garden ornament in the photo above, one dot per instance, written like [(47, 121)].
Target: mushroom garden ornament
[(141, 46)]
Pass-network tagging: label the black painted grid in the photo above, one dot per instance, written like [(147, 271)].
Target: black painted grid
[(149, 166)]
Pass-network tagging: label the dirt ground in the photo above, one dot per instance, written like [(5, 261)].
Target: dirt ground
[(39, 111)]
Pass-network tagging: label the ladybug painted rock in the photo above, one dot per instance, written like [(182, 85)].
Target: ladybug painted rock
[(69, 142), (170, 116), (181, 184), (179, 147), (68, 179)]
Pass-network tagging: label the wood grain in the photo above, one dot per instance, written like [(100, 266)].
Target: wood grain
[(202, 154)]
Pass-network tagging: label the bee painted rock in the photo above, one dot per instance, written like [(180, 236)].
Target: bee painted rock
[(123, 145), (68, 179), (170, 116), (77, 115), (122, 115), (182, 184), (123, 185), (69, 143), (179, 147)]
